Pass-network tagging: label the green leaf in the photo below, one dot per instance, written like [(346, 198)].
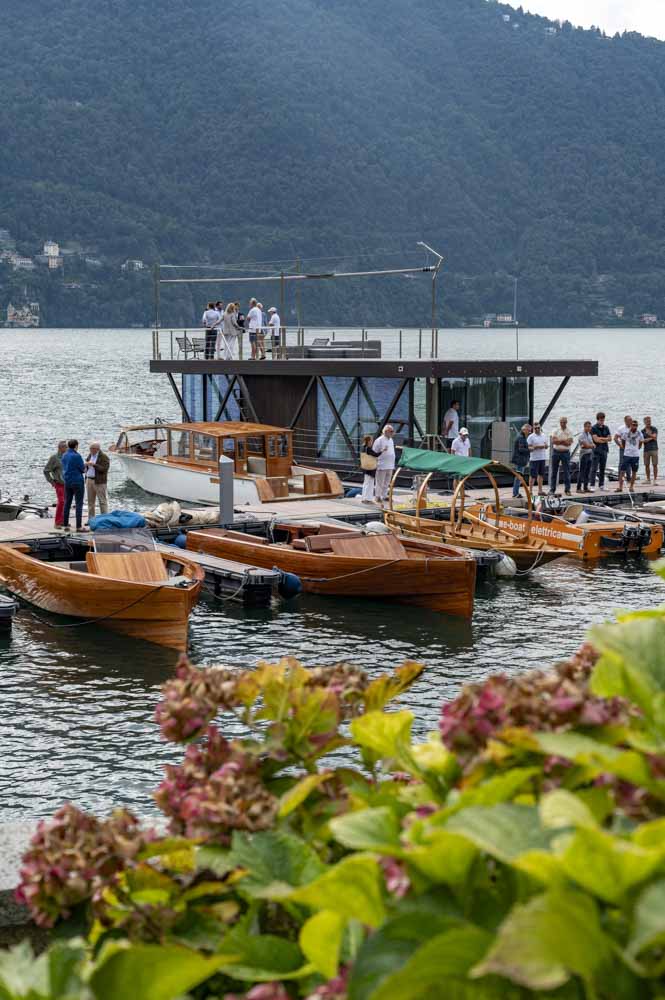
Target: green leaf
[(444, 858), (353, 889), (369, 830), (275, 861), (22, 974), (387, 734), (500, 788), (632, 663), (300, 791), (321, 941), (384, 689), (605, 865), (263, 957), (434, 759), (151, 972), (649, 919), (214, 859), (561, 809), (505, 830), (386, 951), (441, 960), (545, 941)]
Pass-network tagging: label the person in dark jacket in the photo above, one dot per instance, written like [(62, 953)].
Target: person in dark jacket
[(73, 469), (96, 478), (521, 456)]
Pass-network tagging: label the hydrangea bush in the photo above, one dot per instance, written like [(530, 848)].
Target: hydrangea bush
[(518, 852)]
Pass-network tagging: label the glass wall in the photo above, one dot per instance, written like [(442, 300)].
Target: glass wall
[(362, 405), (483, 407)]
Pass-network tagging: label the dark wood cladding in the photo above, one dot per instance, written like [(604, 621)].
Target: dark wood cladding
[(280, 401), (369, 368)]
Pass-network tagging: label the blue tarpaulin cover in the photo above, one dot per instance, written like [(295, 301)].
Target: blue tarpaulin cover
[(117, 519)]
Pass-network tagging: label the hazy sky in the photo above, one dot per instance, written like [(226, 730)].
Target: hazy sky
[(647, 16)]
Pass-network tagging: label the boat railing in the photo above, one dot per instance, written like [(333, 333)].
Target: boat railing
[(188, 343)]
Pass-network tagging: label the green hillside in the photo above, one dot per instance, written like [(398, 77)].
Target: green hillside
[(199, 131)]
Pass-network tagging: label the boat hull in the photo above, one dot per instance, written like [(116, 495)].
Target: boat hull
[(178, 483), (594, 540), (441, 584), (526, 557), (153, 612)]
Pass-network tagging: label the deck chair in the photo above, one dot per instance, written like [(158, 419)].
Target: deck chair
[(320, 341), (185, 346)]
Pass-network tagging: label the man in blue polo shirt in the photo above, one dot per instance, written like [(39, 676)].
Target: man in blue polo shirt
[(73, 470)]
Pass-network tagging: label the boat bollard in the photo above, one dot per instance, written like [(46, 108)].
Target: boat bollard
[(226, 512), (8, 608)]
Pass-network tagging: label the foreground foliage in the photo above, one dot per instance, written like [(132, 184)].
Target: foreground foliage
[(517, 852)]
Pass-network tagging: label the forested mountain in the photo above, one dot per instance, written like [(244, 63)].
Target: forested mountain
[(259, 130)]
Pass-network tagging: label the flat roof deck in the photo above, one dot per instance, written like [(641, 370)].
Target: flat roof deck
[(383, 368)]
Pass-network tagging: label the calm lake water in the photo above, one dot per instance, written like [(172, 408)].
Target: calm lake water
[(77, 704)]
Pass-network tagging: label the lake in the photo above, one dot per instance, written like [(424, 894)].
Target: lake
[(78, 703)]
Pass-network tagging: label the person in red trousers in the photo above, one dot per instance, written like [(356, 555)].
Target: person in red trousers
[(53, 474)]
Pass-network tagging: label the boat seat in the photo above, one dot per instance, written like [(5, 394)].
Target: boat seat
[(136, 567), (242, 536), (81, 566), (300, 544), (324, 543), (369, 546)]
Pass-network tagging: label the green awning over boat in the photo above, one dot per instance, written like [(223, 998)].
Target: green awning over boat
[(420, 460)]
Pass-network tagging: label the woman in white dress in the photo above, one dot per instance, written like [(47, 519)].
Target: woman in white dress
[(228, 335)]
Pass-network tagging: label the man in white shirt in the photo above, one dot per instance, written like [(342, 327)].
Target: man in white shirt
[(462, 445), (537, 443), (451, 423), (384, 448), (275, 324), (254, 324), (633, 439), (210, 320)]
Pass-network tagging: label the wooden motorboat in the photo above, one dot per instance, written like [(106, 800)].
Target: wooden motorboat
[(330, 559), (146, 595), (181, 461), (465, 528), (587, 540)]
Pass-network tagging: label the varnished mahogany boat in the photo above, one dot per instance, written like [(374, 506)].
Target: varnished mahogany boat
[(330, 559), (145, 595), (586, 541), (466, 528)]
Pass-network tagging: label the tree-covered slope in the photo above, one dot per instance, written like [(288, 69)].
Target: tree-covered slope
[(195, 130)]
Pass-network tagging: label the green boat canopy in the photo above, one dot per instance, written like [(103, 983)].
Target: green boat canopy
[(439, 461)]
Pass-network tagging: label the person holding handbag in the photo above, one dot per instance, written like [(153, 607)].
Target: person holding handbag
[(368, 460)]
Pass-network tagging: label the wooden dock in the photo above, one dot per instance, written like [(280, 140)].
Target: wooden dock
[(226, 576)]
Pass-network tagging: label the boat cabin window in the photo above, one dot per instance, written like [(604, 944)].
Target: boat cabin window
[(278, 446), (240, 444), (256, 446), (205, 448), (228, 447), (180, 445)]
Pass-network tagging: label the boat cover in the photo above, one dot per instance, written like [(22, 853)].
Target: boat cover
[(439, 461), (117, 519)]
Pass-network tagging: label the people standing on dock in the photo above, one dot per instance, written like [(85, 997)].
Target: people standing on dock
[(73, 469), (650, 435), (53, 474), (562, 441), (587, 446), (210, 320), (632, 442), (619, 439), (275, 325), (602, 436), (96, 478), (451, 423), (368, 469), (255, 322), (384, 448), (537, 443), (521, 457)]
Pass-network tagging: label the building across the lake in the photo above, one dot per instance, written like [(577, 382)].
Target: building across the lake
[(23, 316)]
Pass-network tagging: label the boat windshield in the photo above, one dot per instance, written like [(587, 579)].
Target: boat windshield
[(123, 540)]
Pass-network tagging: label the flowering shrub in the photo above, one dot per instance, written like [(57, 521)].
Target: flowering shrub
[(518, 852)]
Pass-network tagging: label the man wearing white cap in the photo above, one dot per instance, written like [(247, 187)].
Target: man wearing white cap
[(461, 444), (274, 323)]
